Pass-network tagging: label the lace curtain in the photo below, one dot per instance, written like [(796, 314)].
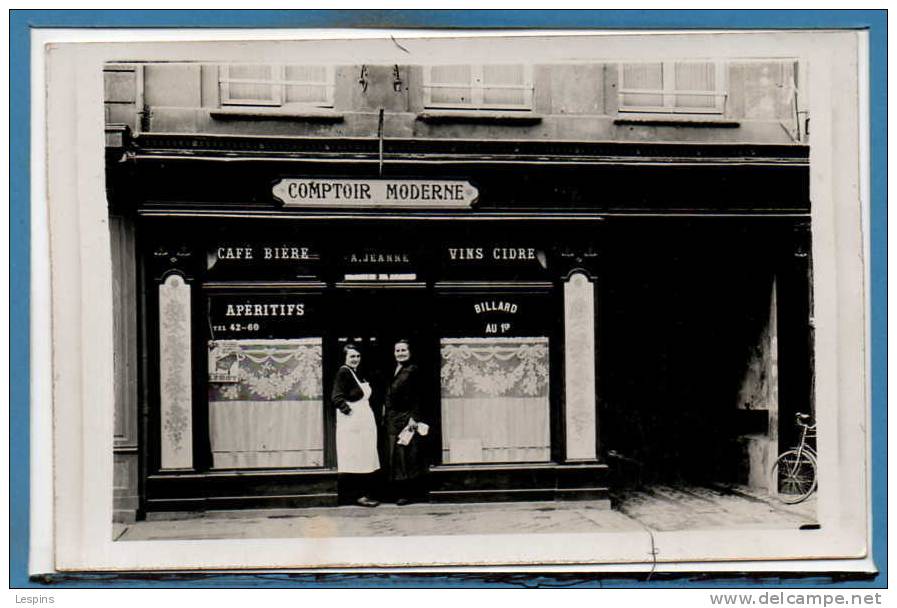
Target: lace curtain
[(266, 403), (495, 399)]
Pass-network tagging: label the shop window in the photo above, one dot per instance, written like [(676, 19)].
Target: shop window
[(478, 87), (266, 403), (672, 87), (495, 400), (276, 85)]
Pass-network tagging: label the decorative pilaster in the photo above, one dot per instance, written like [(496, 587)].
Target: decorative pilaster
[(579, 367), (175, 375)]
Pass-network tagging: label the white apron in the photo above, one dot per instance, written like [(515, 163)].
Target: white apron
[(356, 435)]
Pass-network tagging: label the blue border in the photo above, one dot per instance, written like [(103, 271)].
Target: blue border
[(21, 21)]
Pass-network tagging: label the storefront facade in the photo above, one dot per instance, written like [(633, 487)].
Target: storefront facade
[(583, 285)]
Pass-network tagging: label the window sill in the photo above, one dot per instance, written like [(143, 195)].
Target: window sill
[(480, 116), (677, 120), (256, 113)]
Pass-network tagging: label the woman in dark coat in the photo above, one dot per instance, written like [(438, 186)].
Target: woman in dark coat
[(405, 427)]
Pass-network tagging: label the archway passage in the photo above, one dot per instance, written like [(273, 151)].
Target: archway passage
[(703, 355)]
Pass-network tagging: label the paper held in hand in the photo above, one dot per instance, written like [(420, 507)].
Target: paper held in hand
[(407, 433)]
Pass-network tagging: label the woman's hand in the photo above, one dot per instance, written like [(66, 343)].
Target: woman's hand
[(344, 408)]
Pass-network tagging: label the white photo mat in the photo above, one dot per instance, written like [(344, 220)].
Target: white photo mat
[(72, 385)]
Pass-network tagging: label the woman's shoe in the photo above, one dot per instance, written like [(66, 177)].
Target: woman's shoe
[(403, 501), (364, 501)]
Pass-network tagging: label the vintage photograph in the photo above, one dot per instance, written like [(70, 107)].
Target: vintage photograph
[(360, 299), (416, 300)]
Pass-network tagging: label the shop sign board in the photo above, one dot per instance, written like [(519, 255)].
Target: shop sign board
[(507, 315), (241, 316), (375, 193)]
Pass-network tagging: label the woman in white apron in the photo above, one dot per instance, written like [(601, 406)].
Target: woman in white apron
[(356, 432)]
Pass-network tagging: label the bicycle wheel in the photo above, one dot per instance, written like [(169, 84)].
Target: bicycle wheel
[(795, 476)]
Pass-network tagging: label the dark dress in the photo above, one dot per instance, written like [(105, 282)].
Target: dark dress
[(345, 388), (403, 401)]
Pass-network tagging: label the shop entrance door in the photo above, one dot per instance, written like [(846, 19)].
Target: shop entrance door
[(374, 319)]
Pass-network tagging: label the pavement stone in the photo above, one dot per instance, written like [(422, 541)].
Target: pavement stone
[(660, 508), (668, 508), (390, 520)]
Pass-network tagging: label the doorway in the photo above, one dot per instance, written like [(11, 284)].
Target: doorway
[(374, 318)]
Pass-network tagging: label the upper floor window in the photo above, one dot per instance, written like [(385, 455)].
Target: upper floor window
[(276, 85), (479, 87), (672, 87)]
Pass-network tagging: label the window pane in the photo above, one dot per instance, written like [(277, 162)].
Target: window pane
[(642, 76), (641, 100), (314, 94), (495, 400), (266, 404), (306, 73), (253, 72), (250, 91), (509, 97), (313, 87), (503, 74), (454, 95), (695, 77), (450, 75), (508, 75)]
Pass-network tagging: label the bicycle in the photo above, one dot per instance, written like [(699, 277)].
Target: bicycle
[(794, 471)]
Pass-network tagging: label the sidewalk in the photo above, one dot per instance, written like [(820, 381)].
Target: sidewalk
[(665, 508), (657, 509)]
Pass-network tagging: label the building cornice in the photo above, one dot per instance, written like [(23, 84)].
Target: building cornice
[(229, 148)]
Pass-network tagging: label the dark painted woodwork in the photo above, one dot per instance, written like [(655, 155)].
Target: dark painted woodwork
[(164, 144), (794, 294), (485, 483), (207, 172), (243, 489), (447, 483)]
